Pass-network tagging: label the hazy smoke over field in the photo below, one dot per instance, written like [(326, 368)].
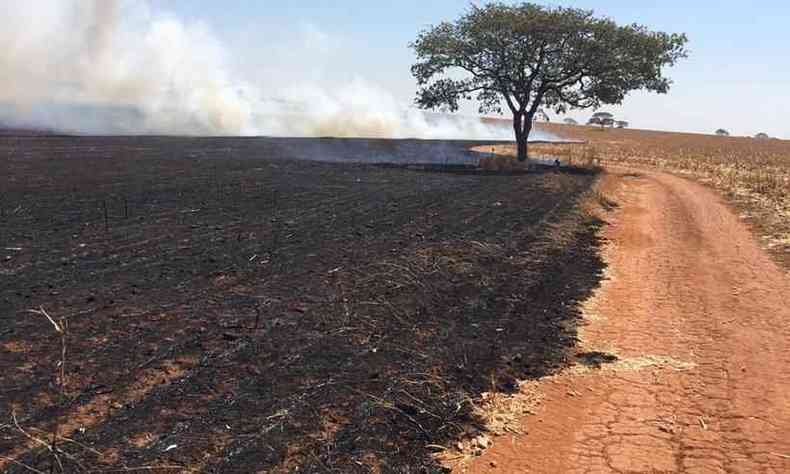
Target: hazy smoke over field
[(118, 66)]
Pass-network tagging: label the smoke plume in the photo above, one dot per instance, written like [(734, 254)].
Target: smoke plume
[(119, 66)]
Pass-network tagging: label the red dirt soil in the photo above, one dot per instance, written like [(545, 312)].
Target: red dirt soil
[(697, 315)]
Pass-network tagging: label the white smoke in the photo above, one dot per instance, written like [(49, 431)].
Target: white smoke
[(118, 66), (156, 72), (361, 109)]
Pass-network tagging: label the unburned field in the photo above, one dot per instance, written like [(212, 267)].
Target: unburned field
[(753, 173), (231, 311)]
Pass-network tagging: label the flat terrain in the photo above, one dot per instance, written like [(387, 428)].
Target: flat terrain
[(231, 310), (754, 174), (692, 331)]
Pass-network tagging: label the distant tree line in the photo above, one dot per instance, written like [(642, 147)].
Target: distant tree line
[(725, 133), (606, 119), (601, 119)]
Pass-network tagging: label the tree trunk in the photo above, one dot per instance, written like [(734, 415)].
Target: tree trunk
[(522, 125), (523, 148)]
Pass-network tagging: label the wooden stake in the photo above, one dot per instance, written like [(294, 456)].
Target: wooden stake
[(106, 216)]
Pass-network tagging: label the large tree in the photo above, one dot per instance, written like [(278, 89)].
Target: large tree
[(529, 56)]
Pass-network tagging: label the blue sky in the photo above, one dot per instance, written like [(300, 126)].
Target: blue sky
[(737, 76)]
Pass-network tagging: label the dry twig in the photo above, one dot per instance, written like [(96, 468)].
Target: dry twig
[(61, 327)]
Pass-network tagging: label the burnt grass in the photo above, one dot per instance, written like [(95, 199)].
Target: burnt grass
[(229, 311)]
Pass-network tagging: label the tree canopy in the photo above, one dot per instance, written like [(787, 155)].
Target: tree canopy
[(603, 115), (527, 56), (606, 119)]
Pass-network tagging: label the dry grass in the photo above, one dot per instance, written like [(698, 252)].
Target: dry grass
[(754, 174)]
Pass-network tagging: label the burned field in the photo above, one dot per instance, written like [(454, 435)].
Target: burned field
[(231, 311)]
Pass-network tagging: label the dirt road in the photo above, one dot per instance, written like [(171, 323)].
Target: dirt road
[(698, 318)]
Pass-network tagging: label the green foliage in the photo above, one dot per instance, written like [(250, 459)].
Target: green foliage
[(529, 56)]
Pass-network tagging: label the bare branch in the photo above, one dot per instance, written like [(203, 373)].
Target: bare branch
[(43, 312)]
